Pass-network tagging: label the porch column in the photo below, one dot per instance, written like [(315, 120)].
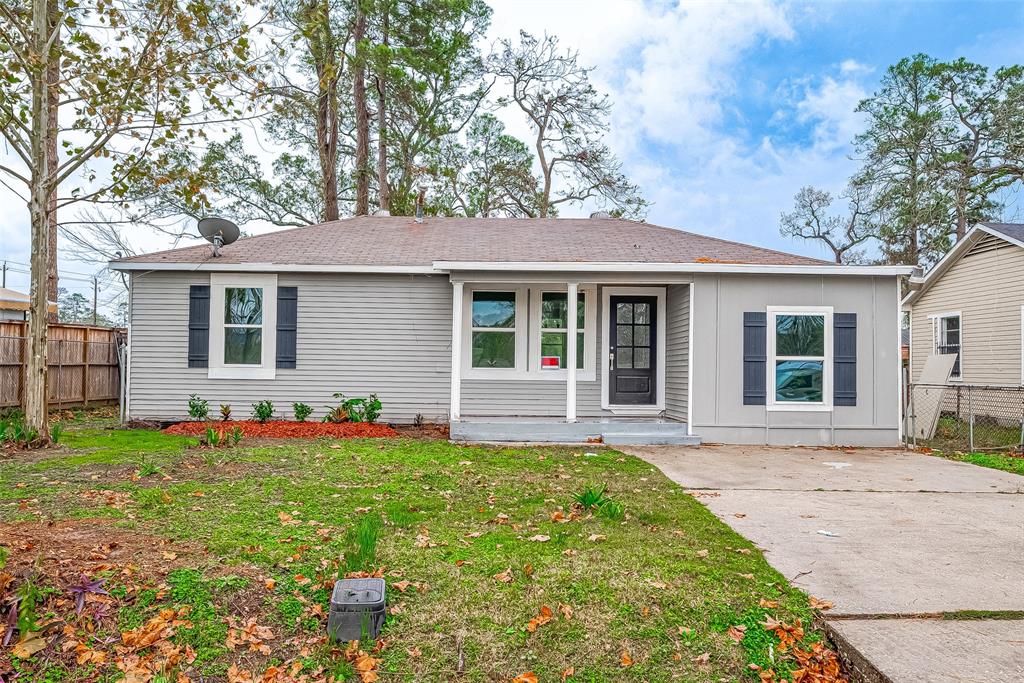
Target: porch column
[(570, 346), (456, 397)]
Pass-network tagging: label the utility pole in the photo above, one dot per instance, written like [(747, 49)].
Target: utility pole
[(4, 284)]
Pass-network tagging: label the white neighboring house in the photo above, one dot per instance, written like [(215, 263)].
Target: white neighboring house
[(971, 303)]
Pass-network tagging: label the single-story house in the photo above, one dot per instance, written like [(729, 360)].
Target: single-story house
[(971, 304), (14, 305), (525, 329)]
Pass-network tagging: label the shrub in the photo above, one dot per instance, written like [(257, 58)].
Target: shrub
[(225, 412), (354, 409), (198, 408), (56, 432), (262, 411), (302, 411)]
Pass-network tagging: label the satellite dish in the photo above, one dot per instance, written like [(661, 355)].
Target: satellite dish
[(218, 231)]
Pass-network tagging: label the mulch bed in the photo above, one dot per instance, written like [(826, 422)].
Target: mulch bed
[(284, 429)]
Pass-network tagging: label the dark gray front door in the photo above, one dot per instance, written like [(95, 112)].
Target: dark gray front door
[(633, 356)]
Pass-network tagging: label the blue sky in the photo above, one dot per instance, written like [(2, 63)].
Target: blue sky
[(723, 110)]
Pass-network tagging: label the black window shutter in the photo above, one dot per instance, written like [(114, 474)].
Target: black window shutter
[(844, 375), (287, 325), (755, 358), (199, 326)]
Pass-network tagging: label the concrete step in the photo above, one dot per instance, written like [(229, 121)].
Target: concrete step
[(638, 427), (657, 439)]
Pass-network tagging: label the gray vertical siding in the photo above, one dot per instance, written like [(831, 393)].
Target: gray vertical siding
[(358, 334), (677, 342), (718, 411)]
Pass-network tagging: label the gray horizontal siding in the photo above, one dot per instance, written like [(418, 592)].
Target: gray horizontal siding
[(677, 342), (358, 334)]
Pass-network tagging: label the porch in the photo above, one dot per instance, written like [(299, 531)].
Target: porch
[(570, 357)]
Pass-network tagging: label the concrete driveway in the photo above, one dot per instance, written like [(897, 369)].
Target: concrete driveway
[(881, 533)]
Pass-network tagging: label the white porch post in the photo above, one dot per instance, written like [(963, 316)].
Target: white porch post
[(570, 345), (454, 412)]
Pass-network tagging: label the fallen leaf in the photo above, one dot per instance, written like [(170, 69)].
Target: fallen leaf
[(302, 580), (566, 611), (594, 538), (625, 660), (269, 584), (284, 517), (739, 515), (528, 677), (402, 585), (539, 538), (815, 603), (702, 659), (28, 644), (505, 576), (414, 652), (702, 553), (736, 632), (768, 604), (170, 556), (571, 671), (542, 618), (749, 577)]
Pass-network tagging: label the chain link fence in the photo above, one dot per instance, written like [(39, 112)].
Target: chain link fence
[(965, 417)]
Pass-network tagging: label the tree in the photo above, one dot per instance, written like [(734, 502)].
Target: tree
[(133, 75), (974, 150), (897, 153), (568, 117), (362, 160), (842, 234), (491, 175)]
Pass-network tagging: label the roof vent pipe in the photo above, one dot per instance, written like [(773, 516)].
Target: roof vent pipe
[(600, 214), (420, 199)]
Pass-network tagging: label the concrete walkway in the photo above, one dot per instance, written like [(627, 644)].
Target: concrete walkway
[(881, 533)]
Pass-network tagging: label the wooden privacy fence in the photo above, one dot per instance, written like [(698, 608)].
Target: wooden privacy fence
[(83, 367)]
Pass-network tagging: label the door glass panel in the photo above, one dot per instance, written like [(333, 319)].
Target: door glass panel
[(642, 335), (624, 313), (623, 358), (642, 313), (641, 358), (623, 335)]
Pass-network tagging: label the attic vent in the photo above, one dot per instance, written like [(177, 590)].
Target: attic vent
[(600, 214), (986, 244)]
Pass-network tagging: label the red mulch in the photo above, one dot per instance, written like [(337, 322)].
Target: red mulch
[(286, 429)]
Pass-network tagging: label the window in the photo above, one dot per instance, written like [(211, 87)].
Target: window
[(243, 319), (800, 363), (494, 330), (243, 325), (946, 337), (554, 330)]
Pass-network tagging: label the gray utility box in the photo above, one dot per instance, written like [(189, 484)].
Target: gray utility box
[(357, 609)]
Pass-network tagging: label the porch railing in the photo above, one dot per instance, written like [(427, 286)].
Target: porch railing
[(964, 417)]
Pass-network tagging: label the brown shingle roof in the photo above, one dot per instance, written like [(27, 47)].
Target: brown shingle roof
[(400, 241)]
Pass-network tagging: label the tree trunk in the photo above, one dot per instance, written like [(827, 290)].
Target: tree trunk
[(961, 213), (383, 189), (53, 78), (545, 197), (362, 117), (325, 53), (35, 372)]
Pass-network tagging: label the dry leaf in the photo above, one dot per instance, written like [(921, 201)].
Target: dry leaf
[(571, 671), (566, 611), (542, 618), (505, 576), (768, 604), (28, 644), (815, 603), (269, 584), (528, 677), (625, 660), (402, 585), (593, 538), (736, 632), (702, 659), (414, 652), (540, 538), (739, 515), (702, 553)]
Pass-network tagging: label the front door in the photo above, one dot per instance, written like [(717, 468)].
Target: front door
[(632, 352)]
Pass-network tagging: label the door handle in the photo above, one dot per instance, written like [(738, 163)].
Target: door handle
[(611, 358)]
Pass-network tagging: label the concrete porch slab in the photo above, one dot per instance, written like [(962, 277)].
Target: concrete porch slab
[(539, 430)]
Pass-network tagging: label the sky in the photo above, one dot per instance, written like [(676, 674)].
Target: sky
[(722, 110)]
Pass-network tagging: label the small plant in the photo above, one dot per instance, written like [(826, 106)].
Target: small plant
[(591, 497), (148, 469), (225, 412), (56, 432), (13, 430), (235, 435), (418, 420), (198, 409), (354, 409), (361, 543), (302, 411), (212, 438), (612, 509), (372, 408), (262, 411)]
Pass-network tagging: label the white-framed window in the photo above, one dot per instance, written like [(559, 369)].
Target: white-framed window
[(549, 332), (509, 331), (947, 331), (243, 322), (799, 358)]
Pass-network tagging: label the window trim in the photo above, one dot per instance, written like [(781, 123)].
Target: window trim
[(518, 330), (587, 372), (827, 360), (267, 369), (936, 322)]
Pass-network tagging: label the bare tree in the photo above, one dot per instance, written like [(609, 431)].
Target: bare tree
[(362, 114), (568, 117), (811, 220)]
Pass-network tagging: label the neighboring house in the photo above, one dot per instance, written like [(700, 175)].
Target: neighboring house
[(971, 303), (525, 329), (15, 305)]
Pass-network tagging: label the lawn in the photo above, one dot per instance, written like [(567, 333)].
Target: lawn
[(216, 564), (997, 461)]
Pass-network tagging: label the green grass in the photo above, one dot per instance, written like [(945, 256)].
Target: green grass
[(996, 461), (453, 518)]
